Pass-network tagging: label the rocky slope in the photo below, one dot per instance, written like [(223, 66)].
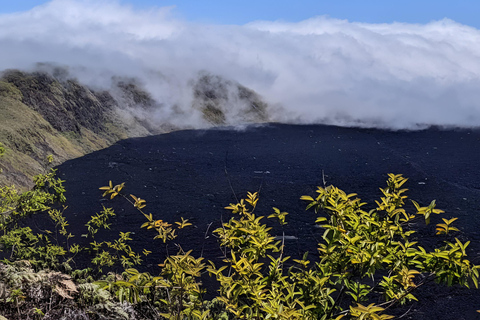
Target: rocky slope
[(43, 113)]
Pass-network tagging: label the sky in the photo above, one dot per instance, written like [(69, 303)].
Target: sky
[(243, 11), (390, 64)]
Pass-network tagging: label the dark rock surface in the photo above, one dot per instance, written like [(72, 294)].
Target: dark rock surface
[(182, 174)]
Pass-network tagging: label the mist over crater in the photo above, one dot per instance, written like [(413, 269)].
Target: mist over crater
[(320, 70)]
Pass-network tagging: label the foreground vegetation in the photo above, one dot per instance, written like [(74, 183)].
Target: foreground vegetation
[(365, 266)]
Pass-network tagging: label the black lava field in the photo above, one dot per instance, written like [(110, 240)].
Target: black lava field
[(196, 173)]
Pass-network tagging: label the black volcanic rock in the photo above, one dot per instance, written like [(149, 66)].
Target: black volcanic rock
[(195, 174)]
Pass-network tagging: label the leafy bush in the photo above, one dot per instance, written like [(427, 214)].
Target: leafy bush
[(363, 255)]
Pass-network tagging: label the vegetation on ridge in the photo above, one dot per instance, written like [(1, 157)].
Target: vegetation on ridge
[(49, 112), (42, 115)]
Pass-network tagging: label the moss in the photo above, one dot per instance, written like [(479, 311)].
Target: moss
[(114, 130), (213, 114), (132, 92), (71, 135), (256, 107), (9, 90)]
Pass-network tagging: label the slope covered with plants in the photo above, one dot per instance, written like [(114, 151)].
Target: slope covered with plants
[(49, 111), (41, 115)]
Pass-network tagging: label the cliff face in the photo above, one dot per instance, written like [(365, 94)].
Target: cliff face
[(42, 115), (48, 113), (224, 102)]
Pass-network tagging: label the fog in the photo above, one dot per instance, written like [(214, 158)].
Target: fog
[(321, 70)]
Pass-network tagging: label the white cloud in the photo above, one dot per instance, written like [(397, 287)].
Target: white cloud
[(320, 70)]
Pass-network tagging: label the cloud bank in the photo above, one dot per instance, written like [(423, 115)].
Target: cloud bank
[(320, 70)]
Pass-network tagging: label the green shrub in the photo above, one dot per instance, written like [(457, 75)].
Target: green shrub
[(363, 254)]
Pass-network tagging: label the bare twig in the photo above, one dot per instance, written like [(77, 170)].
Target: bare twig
[(228, 177), (205, 238), (403, 315)]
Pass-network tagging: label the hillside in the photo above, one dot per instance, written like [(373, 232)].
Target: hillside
[(44, 113)]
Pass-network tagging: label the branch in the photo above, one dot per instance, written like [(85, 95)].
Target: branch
[(205, 238), (228, 177)]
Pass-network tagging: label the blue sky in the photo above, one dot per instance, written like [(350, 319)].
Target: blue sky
[(244, 11)]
